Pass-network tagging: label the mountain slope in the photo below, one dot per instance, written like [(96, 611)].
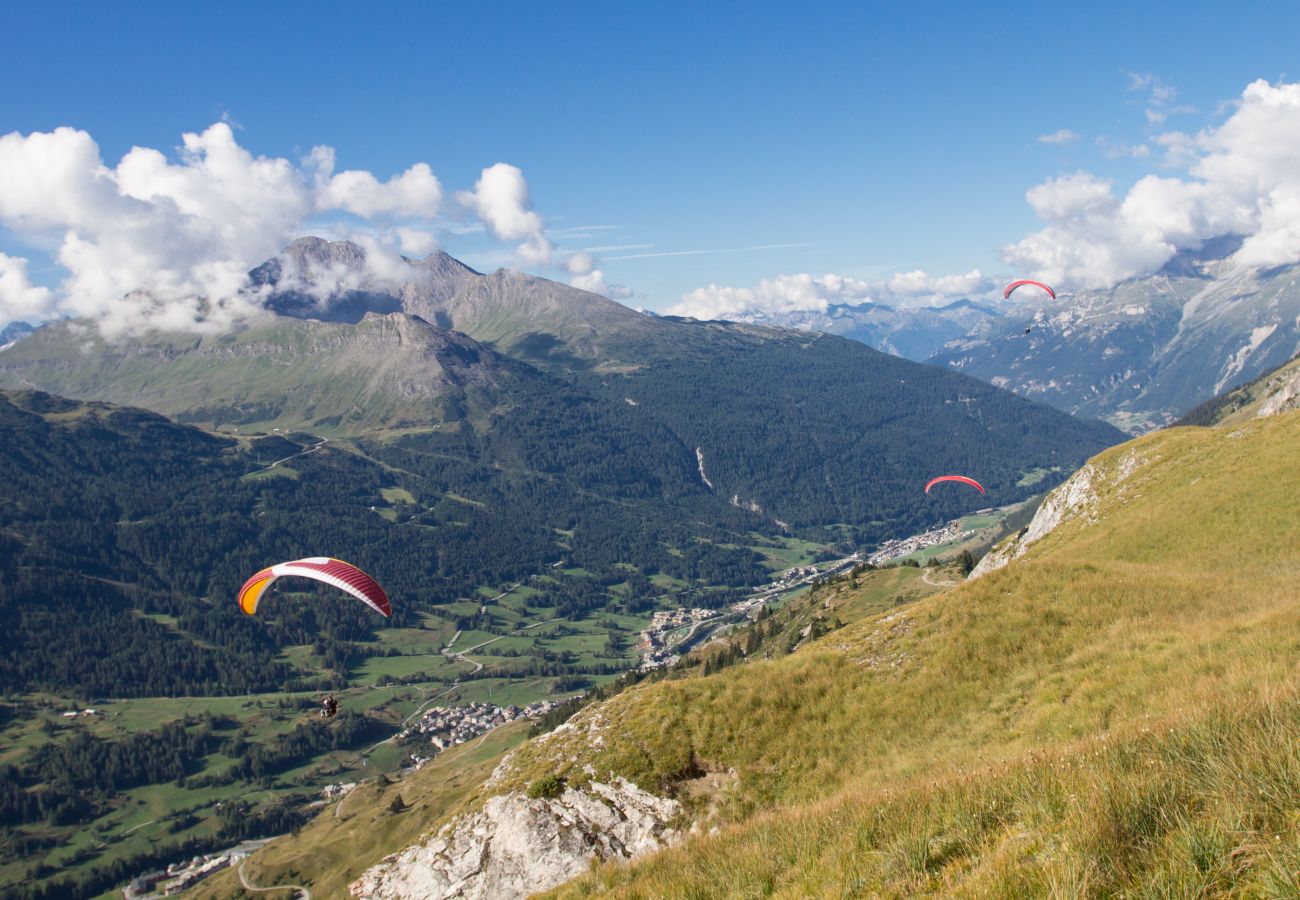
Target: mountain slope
[(390, 370), (14, 332), (799, 430), (530, 317), (1147, 350), (1170, 600)]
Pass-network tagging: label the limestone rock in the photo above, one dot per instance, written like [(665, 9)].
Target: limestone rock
[(516, 846)]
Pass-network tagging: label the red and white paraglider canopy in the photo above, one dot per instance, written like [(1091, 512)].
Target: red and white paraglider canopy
[(344, 576)]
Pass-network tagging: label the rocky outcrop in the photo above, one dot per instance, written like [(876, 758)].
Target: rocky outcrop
[(516, 846), (1078, 496), (1281, 393)]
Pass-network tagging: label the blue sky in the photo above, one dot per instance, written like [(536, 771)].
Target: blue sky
[(869, 138)]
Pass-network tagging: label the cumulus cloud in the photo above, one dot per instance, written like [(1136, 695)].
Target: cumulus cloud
[(415, 242), (502, 201), (416, 193), (156, 242), (1241, 178), (19, 298), (918, 284), (594, 281), (580, 263), (1064, 136)]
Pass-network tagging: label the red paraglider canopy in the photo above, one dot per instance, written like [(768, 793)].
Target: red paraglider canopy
[(1015, 284), (962, 478), (334, 572)]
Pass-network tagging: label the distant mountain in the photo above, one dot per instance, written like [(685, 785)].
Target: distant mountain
[(799, 430), (1144, 352), (915, 334), (14, 332), (384, 370)]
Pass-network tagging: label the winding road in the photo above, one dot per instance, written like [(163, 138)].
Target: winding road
[(300, 891), (312, 449), (939, 584)]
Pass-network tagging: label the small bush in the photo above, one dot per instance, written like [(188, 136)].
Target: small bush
[(546, 787)]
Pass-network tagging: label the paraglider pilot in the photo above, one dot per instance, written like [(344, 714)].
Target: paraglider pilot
[(330, 707)]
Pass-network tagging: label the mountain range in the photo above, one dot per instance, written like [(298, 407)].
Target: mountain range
[(915, 334), (1138, 355), (801, 429), (1142, 353)]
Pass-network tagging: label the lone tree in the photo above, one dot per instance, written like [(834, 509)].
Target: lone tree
[(398, 804), (967, 562)]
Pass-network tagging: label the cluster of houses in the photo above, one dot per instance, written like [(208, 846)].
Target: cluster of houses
[(891, 550), (656, 647), (180, 876), (448, 726)]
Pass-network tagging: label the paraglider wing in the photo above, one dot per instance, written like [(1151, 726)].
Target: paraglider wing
[(344, 576), (962, 478), (1016, 284)]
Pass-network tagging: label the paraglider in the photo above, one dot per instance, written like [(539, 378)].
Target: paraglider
[(1006, 292), (329, 708), (961, 478), (344, 576)]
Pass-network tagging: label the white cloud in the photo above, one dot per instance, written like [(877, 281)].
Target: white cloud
[(580, 263), (20, 300), (594, 281), (501, 199), (415, 193), (415, 242), (1241, 177), (815, 293), (165, 241), (1064, 136), (918, 284)]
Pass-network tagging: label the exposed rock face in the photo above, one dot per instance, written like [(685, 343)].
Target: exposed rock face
[(1078, 496), (1282, 394), (516, 846)]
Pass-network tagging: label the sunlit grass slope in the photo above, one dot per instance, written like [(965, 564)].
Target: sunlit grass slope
[(1201, 805), (1175, 598)]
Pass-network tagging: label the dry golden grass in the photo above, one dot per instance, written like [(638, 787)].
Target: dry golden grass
[(1182, 595)]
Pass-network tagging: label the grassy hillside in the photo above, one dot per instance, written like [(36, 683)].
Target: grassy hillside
[(911, 750)]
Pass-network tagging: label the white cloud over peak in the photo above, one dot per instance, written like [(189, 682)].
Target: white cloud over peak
[(502, 200), (594, 281), (1241, 177), (165, 240), (416, 193), (1064, 136)]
